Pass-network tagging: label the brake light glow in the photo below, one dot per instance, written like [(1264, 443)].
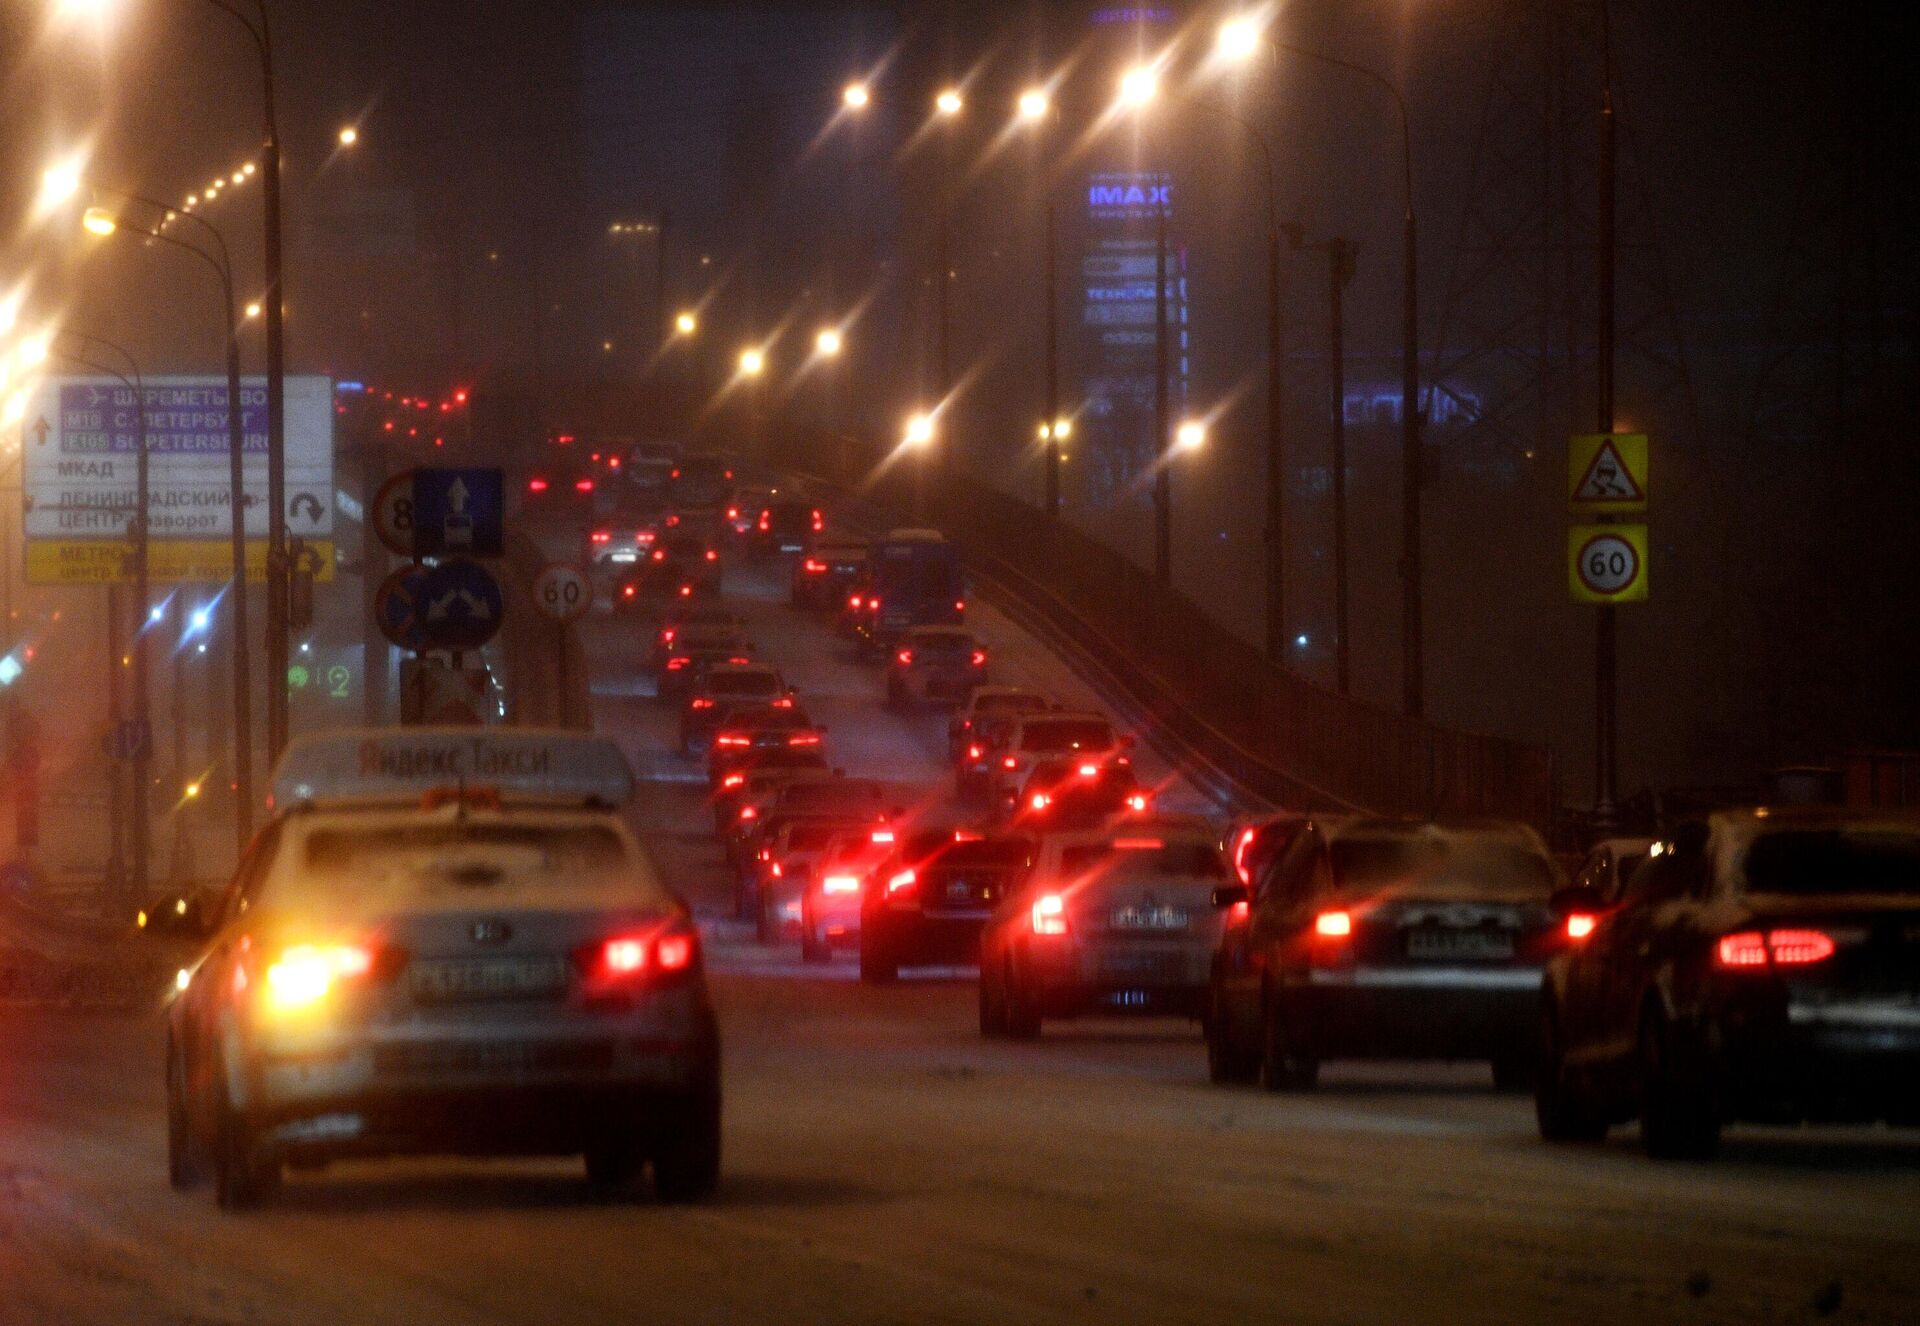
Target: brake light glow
[(1010, 763), (765, 522), (677, 662), (804, 739), (1139, 844), (1089, 770), (1780, 948), (959, 605), (1039, 801), (1050, 915), (686, 591), (1240, 911), (701, 702), (1241, 842), (784, 702), (729, 739), (906, 879), (536, 485), (1580, 925), (1333, 925), (733, 513), (775, 870), (905, 656), (840, 884), (712, 556), (979, 658), (734, 780), (854, 600), (583, 485), (602, 536), (626, 956), (880, 836), (667, 633), (629, 591), (749, 812), (974, 752), (1138, 801), (305, 974), (813, 566)]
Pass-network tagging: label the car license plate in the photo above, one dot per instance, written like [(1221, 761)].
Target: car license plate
[(1454, 945), (488, 978), (1149, 918)]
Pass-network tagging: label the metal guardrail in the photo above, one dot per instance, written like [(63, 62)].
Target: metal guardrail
[(1254, 731)]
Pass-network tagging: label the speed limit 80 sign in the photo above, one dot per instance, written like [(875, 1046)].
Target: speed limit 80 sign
[(562, 592), (1607, 563)]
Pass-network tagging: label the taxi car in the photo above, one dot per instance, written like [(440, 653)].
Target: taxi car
[(933, 665), (446, 941), (1119, 922), (1763, 965), (1382, 938), (930, 898)]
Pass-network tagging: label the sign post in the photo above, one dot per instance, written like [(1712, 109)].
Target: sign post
[(562, 593), (1607, 478)]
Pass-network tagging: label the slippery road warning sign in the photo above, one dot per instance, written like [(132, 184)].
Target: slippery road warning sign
[(1607, 472), (1607, 563)]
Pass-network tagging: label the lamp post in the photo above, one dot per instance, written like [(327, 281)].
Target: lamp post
[(1240, 38), (137, 539), (101, 224), (948, 104)]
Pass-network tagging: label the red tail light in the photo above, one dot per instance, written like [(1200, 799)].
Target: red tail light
[(784, 702), (731, 740), (840, 884), (804, 739), (712, 556), (667, 633), (733, 513), (686, 591), (979, 658), (905, 656), (749, 813), (854, 601), (873, 604), (813, 567), (1333, 925), (659, 554), (734, 780), (625, 959), (1241, 842), (536, 485), (673, 520), (1580, 925), (583, 485), (974, 752), (880, 836), (1050, 914), (677, 662), (1239, 912), (701, 702), (899, 883), (629, 591), (765, 522), (1748, 949), (1137, 802), (1010, 763), (1040, 801), (602, 536), (818, 523)]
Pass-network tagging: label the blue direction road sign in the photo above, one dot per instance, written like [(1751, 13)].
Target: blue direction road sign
[(398, 608), (460, 606), (458, 512)]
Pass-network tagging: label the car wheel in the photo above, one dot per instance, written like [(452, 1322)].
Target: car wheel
[(245, 1173), (1017, 1011), (1677, 1118), (878, 966), (614, 1164), (184, 1169), (1563, 1114), (686, 1163), (1281, 1068), (1227, 1063)]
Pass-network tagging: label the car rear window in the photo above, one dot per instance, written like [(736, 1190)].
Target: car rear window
[(812, 837), (1835, 861), (451, 858), (743, 683), (1066, 734), (1191, 860), (942, 643), (1449, 865)]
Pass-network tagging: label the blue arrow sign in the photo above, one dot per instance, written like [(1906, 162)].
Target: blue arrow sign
[(458, 512), (396, 608), (460, 606)]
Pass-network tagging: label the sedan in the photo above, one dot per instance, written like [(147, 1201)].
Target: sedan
[(1763, 965), (931, 897), (935, 664)]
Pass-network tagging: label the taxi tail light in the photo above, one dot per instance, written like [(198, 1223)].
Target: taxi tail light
[(979, 658), (1138, 801), (974, 752), (819, 523), (583, 485), (840, 884), (905, 656), (700, 702), (813, 566), (1580, 925), (660, 955), (536, 485), (902, 882), (1747, 950), (804, 739), (1050, 915), (303, 975), (734, 780), (602, 536)]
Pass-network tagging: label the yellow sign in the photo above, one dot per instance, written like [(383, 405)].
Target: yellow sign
[(1607, 563), (1607, 473), (169, 562)]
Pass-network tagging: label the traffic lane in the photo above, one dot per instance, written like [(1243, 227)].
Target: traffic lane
[(884, 1164)]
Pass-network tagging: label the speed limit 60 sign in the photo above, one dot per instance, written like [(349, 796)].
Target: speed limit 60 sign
[(562, 592), (1607, 563)]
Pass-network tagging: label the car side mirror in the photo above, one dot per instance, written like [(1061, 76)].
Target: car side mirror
[(1576, 898), (1229, 895)]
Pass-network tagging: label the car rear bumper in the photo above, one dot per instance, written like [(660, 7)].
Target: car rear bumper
[(1852, 1063), (1417, 1012), (1146, 978), (926, 937)]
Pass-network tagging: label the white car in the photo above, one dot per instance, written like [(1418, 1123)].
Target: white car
[(447, 941)]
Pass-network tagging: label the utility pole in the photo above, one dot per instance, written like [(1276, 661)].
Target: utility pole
[(1606, 762)]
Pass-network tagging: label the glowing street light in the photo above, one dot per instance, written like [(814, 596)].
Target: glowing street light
[(1033, 106), (1058, 431), (33, 350), (1190, 436), (1240, 39), (686, 324), (919, 430), (753, 362), (349, 136), (59, 182), (1139, 86), (949, 103), (253, 309), (98, 221), (855, 96), (828, 343)]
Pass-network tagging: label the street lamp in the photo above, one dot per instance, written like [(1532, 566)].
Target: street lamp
[(855, 96), (753, 362), (1033, 105), (919, 432), (348, 137), (60, 182), (1190, 436), (828, 343), (98, 221), (949, 103), (1139, 85), (1239, 40), (686, 324)]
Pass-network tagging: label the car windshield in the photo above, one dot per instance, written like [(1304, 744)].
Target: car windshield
[(1447, 864), (1835, 861), (1063, 734), (1122, 859), (743, 683), (449, 858)]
